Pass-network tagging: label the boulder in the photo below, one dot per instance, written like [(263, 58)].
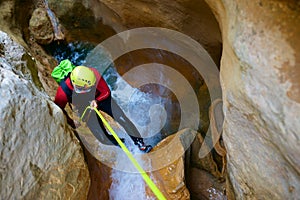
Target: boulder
[(203, 185), (41, 27), (40, 157)]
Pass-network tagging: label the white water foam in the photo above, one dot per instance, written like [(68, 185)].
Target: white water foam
[(127, 185), (141, 109)]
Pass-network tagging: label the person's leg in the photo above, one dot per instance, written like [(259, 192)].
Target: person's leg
[(122, 119), (112, 108), (93, 122), (110, 137), (81, 101)]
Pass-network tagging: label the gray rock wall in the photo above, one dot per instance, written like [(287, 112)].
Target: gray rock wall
[(40, 158)]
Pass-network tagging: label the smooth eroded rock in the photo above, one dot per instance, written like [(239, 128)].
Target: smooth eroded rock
[(260, 80), (40, 156)]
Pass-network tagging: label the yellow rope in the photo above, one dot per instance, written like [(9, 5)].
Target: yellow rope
[(145, 176)]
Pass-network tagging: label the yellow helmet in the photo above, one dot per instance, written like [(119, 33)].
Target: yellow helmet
[(83, 77)]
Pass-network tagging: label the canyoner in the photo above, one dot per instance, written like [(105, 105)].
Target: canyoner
[(82, 86), (83, 80)]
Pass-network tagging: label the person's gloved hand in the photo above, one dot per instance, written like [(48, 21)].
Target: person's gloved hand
[(94, 104)]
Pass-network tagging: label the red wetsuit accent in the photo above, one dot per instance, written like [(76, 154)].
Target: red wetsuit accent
[(102, 90)]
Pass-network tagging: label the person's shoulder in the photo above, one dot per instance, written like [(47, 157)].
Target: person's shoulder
[(96, 72)]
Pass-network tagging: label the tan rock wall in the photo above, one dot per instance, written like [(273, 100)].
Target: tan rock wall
[(193, 18), (259, 67)]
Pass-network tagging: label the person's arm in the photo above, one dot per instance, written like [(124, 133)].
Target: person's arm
[(61, 100), (103, 91)]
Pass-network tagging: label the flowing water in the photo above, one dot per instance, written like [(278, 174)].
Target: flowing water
[(127, 186)]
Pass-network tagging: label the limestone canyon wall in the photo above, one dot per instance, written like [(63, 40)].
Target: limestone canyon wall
[(260, 80)]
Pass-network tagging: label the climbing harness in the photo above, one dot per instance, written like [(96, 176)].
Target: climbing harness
[(145, 176)]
